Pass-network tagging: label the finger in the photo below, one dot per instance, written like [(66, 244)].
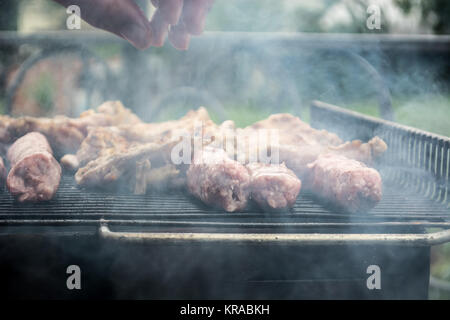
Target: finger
[(171, 10), (160, 28), (179, 37), (194, 15), (121, 17)]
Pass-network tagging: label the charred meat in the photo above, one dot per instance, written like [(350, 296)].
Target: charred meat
[(101, 141), (111, 168), (35, 174)]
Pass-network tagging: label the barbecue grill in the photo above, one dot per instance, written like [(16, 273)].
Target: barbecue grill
[(172, 246)]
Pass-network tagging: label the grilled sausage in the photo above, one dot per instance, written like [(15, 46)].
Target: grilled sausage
[(273, 186), (218, 180), (344, 183), (35, 174)]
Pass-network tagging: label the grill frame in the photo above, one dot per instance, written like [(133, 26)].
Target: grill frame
[(321, 262)]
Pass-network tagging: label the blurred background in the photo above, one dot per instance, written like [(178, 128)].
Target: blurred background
[(276, 56)]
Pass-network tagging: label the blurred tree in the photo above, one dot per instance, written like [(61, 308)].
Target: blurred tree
[(248, 15), (9, 10), (434, 13), (285, 15)]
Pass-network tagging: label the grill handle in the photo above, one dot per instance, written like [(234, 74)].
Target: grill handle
[(427, 239)]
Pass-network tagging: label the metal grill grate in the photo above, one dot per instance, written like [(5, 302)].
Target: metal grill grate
[(74, 207)]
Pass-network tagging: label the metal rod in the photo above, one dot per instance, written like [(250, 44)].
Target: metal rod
[(431, 43), (215, 224), (428, 239)]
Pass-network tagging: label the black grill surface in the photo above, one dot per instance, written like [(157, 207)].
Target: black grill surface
[(179, 212)]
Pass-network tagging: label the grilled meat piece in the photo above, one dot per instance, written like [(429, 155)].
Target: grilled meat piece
[(273, 187), (219, 181), (101, 141), (34, 174), (108, 143), (70, 162), (107, 140), (66, 134), (357, 150), (113, 140), (163, 131), (61, 132), (345, 183), (2, 170), (110, 168), (297, 144), (292, 130), (297, 157), (113, 112)]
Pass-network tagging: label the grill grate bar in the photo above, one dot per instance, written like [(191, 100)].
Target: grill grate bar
[(220, 224), (74, 206)]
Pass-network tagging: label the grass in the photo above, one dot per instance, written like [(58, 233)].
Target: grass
[(440, 269), (244, 116), (431, 113), (427, 112), (2, 105), (43, 92)]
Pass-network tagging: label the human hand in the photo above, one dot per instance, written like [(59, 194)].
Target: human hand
[(179, 19)]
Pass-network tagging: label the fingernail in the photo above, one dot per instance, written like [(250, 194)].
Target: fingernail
[(159, 29), (171, 11), (179, 38), (159, 36), (138, 35)]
